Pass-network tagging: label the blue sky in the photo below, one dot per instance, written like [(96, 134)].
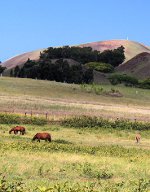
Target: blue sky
[(27, 25)]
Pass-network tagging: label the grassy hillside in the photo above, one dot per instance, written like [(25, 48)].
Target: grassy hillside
[(60, 99), (21, 59)]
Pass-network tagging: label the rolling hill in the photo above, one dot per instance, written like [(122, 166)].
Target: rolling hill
[(131, 50), (139, 66), (20, 59)]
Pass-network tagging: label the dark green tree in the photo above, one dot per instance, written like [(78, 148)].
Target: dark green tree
[(11, 73), (16, 71), (113, 57), (2, 69)]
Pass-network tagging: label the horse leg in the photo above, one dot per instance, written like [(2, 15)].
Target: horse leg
[(137, 140)]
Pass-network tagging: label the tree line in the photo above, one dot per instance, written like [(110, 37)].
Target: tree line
[(85, 54), (2, 69), (61, 70)]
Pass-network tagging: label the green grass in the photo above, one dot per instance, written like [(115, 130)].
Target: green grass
[(88, 159), (48, 89), (105, 157)]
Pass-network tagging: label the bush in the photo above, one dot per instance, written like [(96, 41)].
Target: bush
[(17, 119), (95, 122), (125, 79), (85, 122), (145, 84), (102, 67)]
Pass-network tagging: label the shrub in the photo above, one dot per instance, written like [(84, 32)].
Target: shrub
[(125, 79), (95, 122), (145, 84), (102, 67), (17, 119), (85, 122)]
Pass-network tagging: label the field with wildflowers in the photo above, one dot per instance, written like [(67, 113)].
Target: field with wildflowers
[(78, 159), (86, 154)]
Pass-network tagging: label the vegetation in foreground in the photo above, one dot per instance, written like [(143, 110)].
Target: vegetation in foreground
[(77, 122), (82, 159)]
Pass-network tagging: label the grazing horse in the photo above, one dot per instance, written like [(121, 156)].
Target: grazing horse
[(42, 136), (138, 138), (18, 129)]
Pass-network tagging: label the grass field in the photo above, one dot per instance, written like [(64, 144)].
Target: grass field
[(109, 159), (78, 159), (60, 99)]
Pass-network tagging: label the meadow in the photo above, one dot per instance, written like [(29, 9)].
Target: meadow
[(61, 99), (82, 157), (105, 159)]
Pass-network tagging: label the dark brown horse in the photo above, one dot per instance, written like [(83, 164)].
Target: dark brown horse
[(42, 136), (17, 129)]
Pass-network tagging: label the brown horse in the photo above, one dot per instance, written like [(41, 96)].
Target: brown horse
[(18, 129), (42, 136), (138, 138)]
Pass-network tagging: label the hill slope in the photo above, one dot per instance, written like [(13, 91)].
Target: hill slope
[(131, 49), (59, 99), (139, 66), (20, 59)]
